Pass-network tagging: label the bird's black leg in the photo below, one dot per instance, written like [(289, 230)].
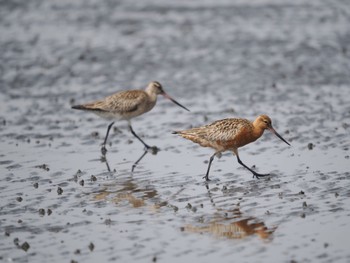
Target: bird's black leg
[(133, 133), (210, 161), (255, 174), (103, 148)]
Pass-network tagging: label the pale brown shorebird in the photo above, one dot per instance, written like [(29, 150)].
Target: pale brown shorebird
[(125, 105), (229, 135)]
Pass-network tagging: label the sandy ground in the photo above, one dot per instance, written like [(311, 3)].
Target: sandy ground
[(61, 201)]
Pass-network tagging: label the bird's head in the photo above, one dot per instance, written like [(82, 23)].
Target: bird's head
[(264, 122), (155, 87)]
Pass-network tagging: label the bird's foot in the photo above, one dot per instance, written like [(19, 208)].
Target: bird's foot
[(257, 175), (206, 177), (152, 149)]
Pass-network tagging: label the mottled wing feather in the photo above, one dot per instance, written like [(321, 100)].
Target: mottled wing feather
[(121, 102), (218, 133), (126, 101), (226, 129)]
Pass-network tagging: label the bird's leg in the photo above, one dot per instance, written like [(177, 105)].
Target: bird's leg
[(210, 161), (255, 174), (133, 133), (103, 148), (138, 160)]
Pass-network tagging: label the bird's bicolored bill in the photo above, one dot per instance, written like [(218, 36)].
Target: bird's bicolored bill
[(279, 136), (170, 98)]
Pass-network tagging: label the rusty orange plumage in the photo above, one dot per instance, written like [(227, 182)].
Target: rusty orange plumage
[(229, 135)]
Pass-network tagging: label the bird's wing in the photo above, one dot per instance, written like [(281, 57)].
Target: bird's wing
[(121, 102), (221, 130)]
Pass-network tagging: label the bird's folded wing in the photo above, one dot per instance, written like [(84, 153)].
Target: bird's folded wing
[(121, 102)]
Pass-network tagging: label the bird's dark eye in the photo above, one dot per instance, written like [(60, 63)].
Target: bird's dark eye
[(268, 124), (157, 84)]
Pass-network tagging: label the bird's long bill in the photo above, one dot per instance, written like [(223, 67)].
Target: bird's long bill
[(279, 136), (178, 104)]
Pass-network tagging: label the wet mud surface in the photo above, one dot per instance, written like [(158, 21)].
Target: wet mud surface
[(61, 201)]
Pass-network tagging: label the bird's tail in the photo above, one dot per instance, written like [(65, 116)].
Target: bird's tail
[(88, 107), (193, 136), (79, 107)]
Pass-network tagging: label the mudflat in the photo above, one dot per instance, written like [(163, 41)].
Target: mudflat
[(61, 200)]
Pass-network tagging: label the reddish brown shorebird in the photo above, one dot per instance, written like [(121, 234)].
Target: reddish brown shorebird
[(229, 135), (125, 105)]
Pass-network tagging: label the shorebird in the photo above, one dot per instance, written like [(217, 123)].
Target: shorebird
[(125, 105), (229, 135)]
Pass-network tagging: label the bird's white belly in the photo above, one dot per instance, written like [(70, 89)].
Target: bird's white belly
[(109, 115)]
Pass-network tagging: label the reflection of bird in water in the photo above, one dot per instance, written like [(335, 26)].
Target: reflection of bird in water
[(139, 159), (233, 230), (124, 191), (105, 160), (228, 224), (229, 135), (125, 105)]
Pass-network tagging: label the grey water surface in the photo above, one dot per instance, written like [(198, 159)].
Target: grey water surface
[(62, 201)]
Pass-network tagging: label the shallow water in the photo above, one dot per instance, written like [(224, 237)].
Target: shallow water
[(62, 201)]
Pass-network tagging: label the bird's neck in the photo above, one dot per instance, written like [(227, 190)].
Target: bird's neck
[(152, 96), (257, 132)]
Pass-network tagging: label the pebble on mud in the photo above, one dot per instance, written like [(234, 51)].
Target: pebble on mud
[(93, 178), (43, 166), (59, 190), (19, 199), (81, 182), (42, 211), (94, 134), (36, 185), (188, 206), (25, 246), (310, 146), (91, 246)]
